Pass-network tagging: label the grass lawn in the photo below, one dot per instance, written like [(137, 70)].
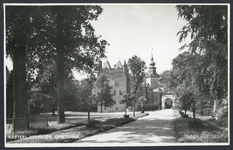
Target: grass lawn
[(73, 130), (210, 130)]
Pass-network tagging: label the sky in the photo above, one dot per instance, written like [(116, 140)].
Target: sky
[(136, 29)]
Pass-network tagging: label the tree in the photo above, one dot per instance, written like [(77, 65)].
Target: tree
[(103, 92), (19, 32), (73, 48), (86, 97), (189, 97), (186, 70), (207, 27), (127, 101), (63, 33), (142, 100), (168, 79), (43, 91), (137, 67)]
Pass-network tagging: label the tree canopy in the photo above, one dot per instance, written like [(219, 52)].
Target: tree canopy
[(137, 67), (127, 100), (103, 92), (200, 74), (62, 34), (207, 26)]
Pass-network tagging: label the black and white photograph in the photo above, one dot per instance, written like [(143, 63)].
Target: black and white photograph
[(116, 74)]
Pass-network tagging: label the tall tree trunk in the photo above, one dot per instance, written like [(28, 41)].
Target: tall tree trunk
[(20, 103), (194, 116), (60, 86), (60, 71)]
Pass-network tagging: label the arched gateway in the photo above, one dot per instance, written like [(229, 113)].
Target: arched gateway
[(168, 100)]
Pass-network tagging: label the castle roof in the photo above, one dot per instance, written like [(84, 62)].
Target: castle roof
[(106, 65), (119, 65)]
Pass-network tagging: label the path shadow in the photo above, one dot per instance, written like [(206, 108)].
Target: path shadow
[(140, 131)]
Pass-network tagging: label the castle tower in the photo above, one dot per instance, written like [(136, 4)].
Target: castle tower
[(150, 85), (153, 78), (152, 68)]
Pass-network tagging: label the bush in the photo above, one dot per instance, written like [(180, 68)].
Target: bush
[(147, 107), (206, 112)]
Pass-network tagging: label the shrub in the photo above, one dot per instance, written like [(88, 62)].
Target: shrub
[(206, 112), (149, 107)]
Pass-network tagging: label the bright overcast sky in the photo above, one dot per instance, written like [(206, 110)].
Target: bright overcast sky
[(137, 28)]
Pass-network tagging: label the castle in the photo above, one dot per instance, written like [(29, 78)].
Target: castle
[(118, 78)]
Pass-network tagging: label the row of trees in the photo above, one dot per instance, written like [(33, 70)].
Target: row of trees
[(45, 44), (199, 75), (92, 93)]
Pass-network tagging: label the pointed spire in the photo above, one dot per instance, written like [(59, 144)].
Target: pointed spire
[(152, 53), (106, 65), (119, 65), (152, 63)]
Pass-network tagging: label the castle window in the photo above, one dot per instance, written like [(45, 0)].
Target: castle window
[(104, 108), (116, 108), (114, 92)]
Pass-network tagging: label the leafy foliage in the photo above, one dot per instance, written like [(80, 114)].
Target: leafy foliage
[(127, 100), (137, 67), (208, 28), (103, 92), (142, 100), (168, 79), (85, 93), (86, 98), (200, 74), (40, 34)]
